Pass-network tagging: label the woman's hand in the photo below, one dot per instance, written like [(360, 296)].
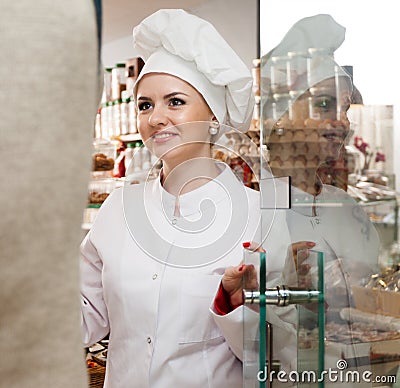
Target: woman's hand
[(239, 277), (300, 252)]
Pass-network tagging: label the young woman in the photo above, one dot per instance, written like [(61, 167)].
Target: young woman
[(153, 261)]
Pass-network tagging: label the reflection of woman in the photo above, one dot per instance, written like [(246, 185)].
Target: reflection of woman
[(307, 125), (312, 134), (153, 260)]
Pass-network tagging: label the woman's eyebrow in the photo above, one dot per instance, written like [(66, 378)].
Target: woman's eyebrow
[(169, 95), (143, 98)]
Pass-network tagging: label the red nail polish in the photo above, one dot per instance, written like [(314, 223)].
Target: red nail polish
[(246, 244), (310, 244), (240, 269)]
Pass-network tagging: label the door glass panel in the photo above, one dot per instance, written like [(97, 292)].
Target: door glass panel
[(327, 145)]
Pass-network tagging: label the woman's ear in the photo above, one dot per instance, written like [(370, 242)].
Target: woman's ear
[(214, 128)]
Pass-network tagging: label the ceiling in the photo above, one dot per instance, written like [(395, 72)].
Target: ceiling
[(120, 16)]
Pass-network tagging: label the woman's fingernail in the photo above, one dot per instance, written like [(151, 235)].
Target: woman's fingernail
[(240, 269), (310, 244), (246, 244)]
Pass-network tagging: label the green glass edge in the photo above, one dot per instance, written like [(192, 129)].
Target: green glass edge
[(321, 318), (263, 317)]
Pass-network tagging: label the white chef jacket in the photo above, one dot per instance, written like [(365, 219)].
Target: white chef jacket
[(162, 330), (340, 228)]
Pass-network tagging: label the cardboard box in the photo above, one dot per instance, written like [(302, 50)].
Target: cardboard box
[(377, 301)]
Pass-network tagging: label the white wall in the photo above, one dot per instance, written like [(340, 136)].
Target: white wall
[(234, 19), (116, 51), (236, 22)]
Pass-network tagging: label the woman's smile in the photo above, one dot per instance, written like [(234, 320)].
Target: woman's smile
[(163, 136)]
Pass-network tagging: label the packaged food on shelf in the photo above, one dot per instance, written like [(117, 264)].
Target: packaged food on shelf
[(118, 81), (116, 119), (132, 127), (89, 215), (100, 189), (133, 67), (106, 120), (97, 125), (102, 163), (106, 96), (123, 111), (140, 164), (104, 154), (129, 152), (381, 292)]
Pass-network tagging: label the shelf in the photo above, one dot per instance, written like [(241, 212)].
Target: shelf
[(374, 202)]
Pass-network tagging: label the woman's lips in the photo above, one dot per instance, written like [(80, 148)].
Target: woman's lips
[(162, 137)]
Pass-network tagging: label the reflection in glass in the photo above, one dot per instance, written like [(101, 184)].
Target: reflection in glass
[(305, 96)]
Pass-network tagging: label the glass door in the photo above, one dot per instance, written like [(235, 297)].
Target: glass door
[(327, 309), (272, 303)]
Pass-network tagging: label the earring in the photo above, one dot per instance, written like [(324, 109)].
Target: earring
[(214, 128)]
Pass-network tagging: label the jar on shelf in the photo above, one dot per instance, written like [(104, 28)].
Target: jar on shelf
[(137, 157), (145, 158), (97, 125), (118, 81), (116, 118), (107, 120), (123, 109), (318, 58), (89, 215), (143, 166), (103, 159), (129, 152), (255, 72), (132, 116), (297, 65), (99, 190), (279, 75), (106, 96)]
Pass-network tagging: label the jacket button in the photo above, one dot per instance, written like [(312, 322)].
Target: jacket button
[(148, 340), (155, 276)]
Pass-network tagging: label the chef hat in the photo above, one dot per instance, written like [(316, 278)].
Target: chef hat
[(319, 31), (304, 58), (175, 42)]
